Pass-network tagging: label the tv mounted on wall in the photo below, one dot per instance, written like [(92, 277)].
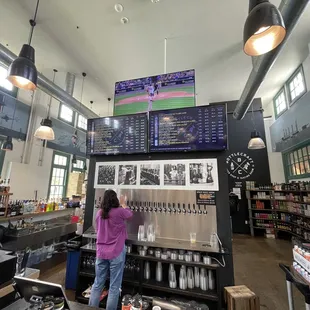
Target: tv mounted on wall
[(202, 128), (159, 92)]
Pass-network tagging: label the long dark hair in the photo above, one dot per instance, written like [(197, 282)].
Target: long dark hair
[(109, 202)]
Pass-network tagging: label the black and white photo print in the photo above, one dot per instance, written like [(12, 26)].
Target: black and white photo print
[(127, 175), (106, 175), (174, 175), (150, 174)]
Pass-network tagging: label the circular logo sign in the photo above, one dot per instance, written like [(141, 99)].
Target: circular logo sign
[(240, 166)]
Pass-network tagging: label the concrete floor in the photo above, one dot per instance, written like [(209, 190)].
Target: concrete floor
[(256, 264)]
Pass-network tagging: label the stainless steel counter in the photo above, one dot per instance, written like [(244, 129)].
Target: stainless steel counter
[(163, 243)]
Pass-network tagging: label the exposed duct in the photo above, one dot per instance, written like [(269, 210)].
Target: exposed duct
[(47, 86), (291, 11)]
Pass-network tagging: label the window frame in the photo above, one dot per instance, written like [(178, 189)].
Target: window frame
[(66, 176), (73, 169), (300, 69), (64, 120), (283, 89), (292, 158), (77, 122)]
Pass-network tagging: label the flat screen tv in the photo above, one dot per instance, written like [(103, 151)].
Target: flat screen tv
[(202, 128), (117, 135), (159, 92)]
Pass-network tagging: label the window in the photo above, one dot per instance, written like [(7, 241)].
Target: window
[(79, 166), (82, 122), (296, 85), (58, 180), (297, 162), (280, 104), (66, 114), (4, 83)]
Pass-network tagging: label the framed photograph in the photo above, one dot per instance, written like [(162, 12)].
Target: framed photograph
[(127, 175), (174, 174), (105, 175), (150, 174), (203, 174)]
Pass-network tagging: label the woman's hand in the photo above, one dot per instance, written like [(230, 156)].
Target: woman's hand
[(123, 201)]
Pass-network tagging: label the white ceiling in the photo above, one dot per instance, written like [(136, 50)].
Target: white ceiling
[(202, 34)]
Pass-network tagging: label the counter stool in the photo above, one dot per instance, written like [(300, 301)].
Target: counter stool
[(241, 298)]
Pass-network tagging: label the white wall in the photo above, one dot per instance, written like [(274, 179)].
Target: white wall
[(275, 158), (30, 177)]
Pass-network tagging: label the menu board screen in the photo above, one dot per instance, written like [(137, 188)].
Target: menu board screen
[(201, 128), (117, 135)]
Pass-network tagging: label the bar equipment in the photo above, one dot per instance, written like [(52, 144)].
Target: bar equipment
[(147, 271), (159, 272), (189, 211), (190, 278), (197, 276), (184, 209), (194, 209), (205, 210), (203, 279), (211, 280), (179, 209), (199, 210)]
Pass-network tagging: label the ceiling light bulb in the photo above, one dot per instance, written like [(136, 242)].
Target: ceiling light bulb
[(264, 44), (262, 29)]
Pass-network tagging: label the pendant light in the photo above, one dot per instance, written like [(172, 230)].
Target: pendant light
[(45, 131), (264, 28), (256, 142), (22, 72), (8, 143)]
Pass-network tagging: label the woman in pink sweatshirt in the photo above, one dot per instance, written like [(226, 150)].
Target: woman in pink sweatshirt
[(111, 253)]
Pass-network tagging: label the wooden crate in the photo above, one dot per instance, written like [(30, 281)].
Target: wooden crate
[(241, 298)]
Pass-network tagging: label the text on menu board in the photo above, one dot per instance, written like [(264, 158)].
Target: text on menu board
[(117, 135), (190, 129)]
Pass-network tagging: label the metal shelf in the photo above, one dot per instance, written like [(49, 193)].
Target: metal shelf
[(173, 261), (196, 292)]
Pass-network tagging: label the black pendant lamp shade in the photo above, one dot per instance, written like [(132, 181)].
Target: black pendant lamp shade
[(22, 72), (74, 159), (256, 142), (7, 144), (264, 28)]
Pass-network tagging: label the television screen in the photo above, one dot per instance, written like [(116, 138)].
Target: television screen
[(201, 128), (160, 92), (117, 135)]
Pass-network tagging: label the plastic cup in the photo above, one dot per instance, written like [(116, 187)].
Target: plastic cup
[(192, 237)]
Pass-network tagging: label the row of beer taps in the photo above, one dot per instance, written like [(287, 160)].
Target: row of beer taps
[(163, 207)]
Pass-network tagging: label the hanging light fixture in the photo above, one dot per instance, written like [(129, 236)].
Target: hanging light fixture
[(45, 131), (256, 142), (22, 72), (74, 160), (8, 143), (264, 28)]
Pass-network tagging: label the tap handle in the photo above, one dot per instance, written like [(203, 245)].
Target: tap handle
[(189, 209), (194, 209), (199, 210), (205, 210)]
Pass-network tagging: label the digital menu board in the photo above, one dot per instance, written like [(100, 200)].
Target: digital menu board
[(202, 128), (117, 135)]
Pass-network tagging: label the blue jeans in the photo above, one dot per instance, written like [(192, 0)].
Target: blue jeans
[(116, 268)]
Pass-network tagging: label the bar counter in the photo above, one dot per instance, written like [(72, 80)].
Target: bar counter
[(165, 243), (22, 305)]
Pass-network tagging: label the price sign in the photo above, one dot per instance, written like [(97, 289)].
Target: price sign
[(205, 198)]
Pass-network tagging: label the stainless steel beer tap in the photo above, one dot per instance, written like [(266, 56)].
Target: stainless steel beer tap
[(159, 207), (199, 210), (146, 208), (179, 209), (205, 210), (189, 209), (184, 209), (155, 207), (150, 207), (174, 210), (141, 207), (194, 209), (169, 208), (137, 207), (164, 207)]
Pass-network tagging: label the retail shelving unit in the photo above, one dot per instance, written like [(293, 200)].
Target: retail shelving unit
[(134, 282), (280, 211)]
